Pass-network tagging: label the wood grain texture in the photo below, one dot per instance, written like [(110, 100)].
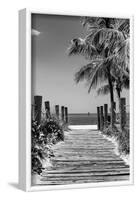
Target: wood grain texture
[(84, 157)]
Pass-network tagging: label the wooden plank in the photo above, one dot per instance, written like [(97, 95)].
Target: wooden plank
[(101, 118), (62, 112), (105, 115), (57, 111), (37, 108), (84, 157), (47, 108), (66, 114), (98, 117)]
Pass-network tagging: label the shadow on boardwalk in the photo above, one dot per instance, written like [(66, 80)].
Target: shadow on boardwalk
[(85, 157)]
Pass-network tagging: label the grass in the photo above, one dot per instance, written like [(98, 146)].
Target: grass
[(44, 135), (121, 137)]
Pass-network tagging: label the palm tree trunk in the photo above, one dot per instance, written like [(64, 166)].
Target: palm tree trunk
[(111, 98), (110, 85), (119, 96)]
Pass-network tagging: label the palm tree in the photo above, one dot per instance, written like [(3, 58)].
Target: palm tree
[(119, 80), (103, 46), (95, 73)]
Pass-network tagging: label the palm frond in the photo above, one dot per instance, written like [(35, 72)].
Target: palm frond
[(105, 38), (119, 77), (103, 90), (81, 47), (95, 22), (99, 75), (107, 47), (84, 72), (123, 53), (120, 24), (126, 82), (106, 32), (90, 22), (120, 58), (125, 27), (93, 73)]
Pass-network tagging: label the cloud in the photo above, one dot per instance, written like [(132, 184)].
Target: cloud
[(34, 32)]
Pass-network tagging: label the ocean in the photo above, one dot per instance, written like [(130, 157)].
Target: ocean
[(83, 119)]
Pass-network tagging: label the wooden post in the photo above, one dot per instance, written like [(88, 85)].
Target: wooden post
[(105, 115), (114, 106), (101, 118), (32, 112), (62, 112), (57, 110), (98, 118), (109, 119), (122, 113), (66, 114), (112, 116), (47, 109), (37, 104)]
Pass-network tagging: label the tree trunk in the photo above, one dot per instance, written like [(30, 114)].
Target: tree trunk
[(111, 97), (119, 101), (119, 96), (122, 113)]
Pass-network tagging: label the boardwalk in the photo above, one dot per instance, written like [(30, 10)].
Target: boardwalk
[(85, 157)]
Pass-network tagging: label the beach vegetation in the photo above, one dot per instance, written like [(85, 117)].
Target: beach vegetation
[(106, 47), (122, 138), (44, 136)]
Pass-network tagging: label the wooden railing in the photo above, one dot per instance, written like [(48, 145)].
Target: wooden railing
[(103, 118), (37, 110)]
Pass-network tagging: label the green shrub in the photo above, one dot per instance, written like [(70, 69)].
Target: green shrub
[(43, 137), (53, 131), (122, 138), (111, 131)]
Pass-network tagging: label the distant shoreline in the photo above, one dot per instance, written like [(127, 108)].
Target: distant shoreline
[(82, 119), (83, 113)]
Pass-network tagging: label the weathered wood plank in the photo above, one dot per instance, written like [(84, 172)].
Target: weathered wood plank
[(84, 157), (57, 111), (66, 114), (37, 108)]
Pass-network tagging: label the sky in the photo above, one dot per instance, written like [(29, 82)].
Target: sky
[(53, 70)]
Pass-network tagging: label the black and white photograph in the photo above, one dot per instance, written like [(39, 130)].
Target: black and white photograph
[(80, 100)]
